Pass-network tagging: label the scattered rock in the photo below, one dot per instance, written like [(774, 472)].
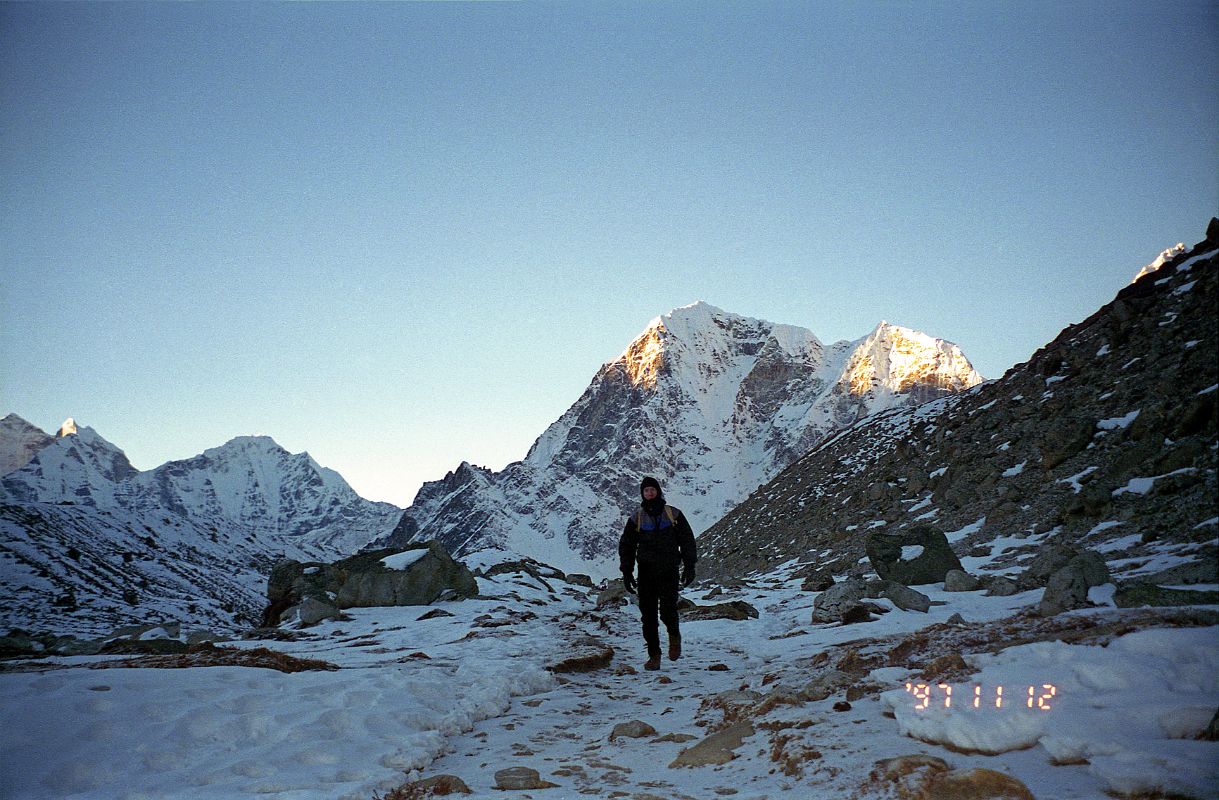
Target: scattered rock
[(856, 613), (999, 586), (905, 598), (310, 611), (585, 654), (958, 580), (975, 784), (924, 777), (635, 729), (955, 619), (715, 749), (438, 785), (824, 684), (946, 666), (736, 610), (842, 705), (435, 613), (521, 778), (675, 737), (830, 605), (718, 668), (1052, 556), (817, 582), (580, 579), (1068, 586), (614, 594), (1067, 589)]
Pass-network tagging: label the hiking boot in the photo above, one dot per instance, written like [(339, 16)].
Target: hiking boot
[(674, 648), (653, 662)]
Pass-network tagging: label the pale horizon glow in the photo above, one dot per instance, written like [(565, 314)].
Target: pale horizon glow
[(401, 236)]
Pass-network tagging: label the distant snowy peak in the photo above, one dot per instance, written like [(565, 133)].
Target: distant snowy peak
[(80, 467), (1161, 260), (68, 428), (19, 443), (899, 359)]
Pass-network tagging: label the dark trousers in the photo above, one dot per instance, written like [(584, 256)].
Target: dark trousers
[(658, 591)]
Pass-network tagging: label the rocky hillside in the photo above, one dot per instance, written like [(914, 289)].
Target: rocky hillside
[(712, 403), (1105, 437)]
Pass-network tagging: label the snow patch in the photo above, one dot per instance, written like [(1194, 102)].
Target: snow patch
[(1118, 423), (404, 559)]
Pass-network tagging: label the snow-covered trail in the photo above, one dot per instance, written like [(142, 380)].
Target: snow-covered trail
[(465, 692)]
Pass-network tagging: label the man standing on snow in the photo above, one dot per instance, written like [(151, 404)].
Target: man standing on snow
[(658, 537)]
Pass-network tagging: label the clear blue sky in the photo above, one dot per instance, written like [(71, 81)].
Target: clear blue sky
[(400, 236)]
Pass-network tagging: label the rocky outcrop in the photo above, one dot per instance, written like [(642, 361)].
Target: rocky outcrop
[(417, 576)]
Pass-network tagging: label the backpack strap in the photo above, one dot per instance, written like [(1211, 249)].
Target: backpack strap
[(669, 514)]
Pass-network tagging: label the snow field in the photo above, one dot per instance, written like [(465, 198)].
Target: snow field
[(1130, 710)]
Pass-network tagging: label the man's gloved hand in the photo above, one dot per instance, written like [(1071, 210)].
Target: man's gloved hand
[(628, 581), (687, 575)]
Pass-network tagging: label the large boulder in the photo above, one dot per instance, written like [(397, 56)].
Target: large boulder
[(905, 598), (414, 576), (1068, 587), (1056, 554), (915, 556), (830, 605), (958, 580)]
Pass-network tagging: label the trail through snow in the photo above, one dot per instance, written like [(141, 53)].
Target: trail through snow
[(468, 695)]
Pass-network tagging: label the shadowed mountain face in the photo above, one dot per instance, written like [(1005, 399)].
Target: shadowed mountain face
[(712, 403), (1106, 437)]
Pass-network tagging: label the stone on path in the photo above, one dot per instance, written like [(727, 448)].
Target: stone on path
[(634, 729), (521, 778), (930, 778), (715, 749), (585, 654), (436, 785)]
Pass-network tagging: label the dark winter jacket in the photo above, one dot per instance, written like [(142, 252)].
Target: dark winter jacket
[(657, 543)]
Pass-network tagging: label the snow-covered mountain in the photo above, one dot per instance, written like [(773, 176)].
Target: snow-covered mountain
[(78, 466), (79, 526), (19, 442), (712, 403)]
